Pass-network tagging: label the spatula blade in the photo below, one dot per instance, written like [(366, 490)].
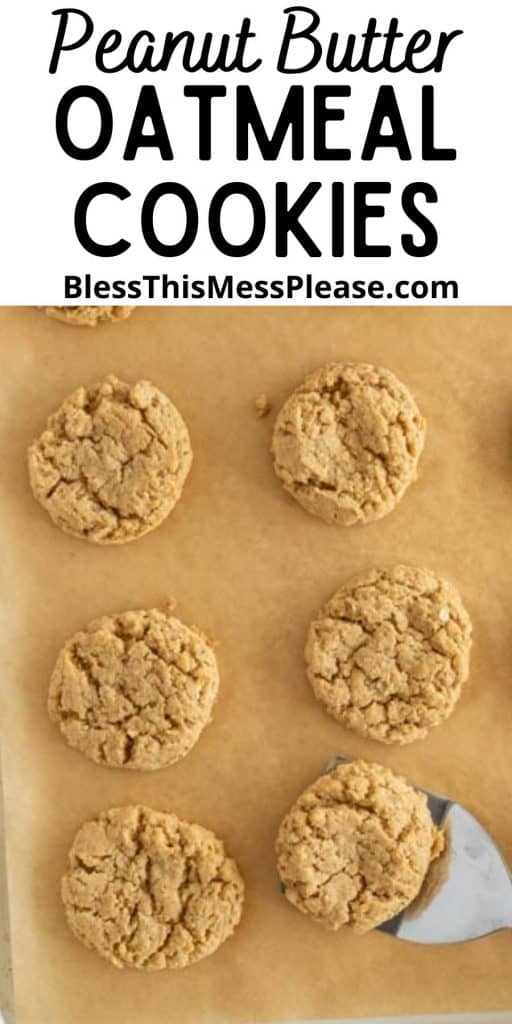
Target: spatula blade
[(467, 892)]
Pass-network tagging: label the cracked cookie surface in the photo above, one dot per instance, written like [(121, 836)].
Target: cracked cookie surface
[(88, 316), (134, 690), (389, 653), (347, 442), (148, 891), (356, 846), (112, 462)]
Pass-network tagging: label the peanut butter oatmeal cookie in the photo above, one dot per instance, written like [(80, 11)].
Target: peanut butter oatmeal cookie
[(112, 462), (347, 442), (89, 316), (356, 846), (134, 690), (146, 890), (389, 653)]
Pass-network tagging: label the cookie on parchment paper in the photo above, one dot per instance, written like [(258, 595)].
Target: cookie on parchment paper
[(112, 462), (388, 654), (347, 442), (134, 690), (149, 891), (356, 846)]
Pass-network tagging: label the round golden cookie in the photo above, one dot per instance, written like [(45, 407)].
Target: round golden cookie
[(112, 462), (134, 690), (356, 846), (89, 316), (388, 654), (347, 442), (146, 890)]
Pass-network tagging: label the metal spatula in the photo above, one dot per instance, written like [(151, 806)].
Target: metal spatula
[(467, 894)]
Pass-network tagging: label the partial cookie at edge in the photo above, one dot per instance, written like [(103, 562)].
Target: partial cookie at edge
[(88, 316)]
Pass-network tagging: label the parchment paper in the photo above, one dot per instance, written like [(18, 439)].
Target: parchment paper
[(251, 567)]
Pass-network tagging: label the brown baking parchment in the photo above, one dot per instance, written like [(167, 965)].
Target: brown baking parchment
[(251, 567)]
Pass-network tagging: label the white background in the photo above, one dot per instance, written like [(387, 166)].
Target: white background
[(40, 184)]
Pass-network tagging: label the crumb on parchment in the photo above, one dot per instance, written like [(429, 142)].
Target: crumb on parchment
[(262, 405)]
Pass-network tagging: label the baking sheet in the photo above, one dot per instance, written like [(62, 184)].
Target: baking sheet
[(250, 567), (6, 988)]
